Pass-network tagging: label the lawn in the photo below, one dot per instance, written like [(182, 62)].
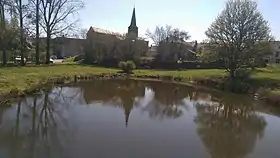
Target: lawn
[(23, 78), (195, 73)]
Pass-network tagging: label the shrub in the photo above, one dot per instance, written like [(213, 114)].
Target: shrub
[(74, 58), (241, 83), (79, 57), (243, 74), (69, 60), (127, 66)]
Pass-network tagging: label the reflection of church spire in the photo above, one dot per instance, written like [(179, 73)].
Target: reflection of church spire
[(128, 106), (127, 113)]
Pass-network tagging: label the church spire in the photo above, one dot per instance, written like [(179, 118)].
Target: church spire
[(133, 19), (133, 29)]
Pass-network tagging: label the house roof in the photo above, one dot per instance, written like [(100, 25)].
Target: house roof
[(108, 32)]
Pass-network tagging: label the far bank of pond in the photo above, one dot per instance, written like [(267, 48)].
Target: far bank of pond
[(19, 81), (137, 118)]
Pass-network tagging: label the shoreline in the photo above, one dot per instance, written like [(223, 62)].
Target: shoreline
[(267, 96), (21, 81)]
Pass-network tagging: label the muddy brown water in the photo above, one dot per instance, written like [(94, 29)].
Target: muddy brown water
[(138, 119)]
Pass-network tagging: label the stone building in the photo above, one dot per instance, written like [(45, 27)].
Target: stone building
[(105, 40), (66, 47)]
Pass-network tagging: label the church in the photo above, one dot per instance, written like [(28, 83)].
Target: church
[(109, 38), (66, 47)]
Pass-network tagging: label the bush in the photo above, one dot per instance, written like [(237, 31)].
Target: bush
[(241, 83), (243, 74), (237, 86), (127, 66), (74, 58), (79, 57), (69, 60)]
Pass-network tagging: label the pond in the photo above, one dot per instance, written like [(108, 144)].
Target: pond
[(138, 119)]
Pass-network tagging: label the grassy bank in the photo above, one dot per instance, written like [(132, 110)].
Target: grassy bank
[(20, 79), (187, 74)]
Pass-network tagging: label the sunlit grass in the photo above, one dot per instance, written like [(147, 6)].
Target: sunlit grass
[(194, 73), (23, 78)]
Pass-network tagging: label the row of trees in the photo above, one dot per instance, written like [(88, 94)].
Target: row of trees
[(239, 37), (49, 18), (171, 43)]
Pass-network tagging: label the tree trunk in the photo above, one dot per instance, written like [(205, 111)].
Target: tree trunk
[(48, 48), (37, 33), (4, 57), (232, 73), (22, 63), (2, 12)]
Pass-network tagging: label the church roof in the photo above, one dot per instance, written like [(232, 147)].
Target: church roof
[(99, 30), (133, 19), (108, 32)]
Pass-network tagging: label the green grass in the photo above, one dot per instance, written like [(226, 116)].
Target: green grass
[(276, 92), (23, 78), (270, 72), (195, 73)]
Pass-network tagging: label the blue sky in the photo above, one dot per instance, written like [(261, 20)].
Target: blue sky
[(193, 16)]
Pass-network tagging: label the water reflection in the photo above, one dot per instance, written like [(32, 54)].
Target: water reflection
[(35, 126), (45, 125), (229, 130)]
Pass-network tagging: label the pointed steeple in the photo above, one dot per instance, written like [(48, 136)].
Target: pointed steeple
[(133, 19), (133, 29), (127, 113)]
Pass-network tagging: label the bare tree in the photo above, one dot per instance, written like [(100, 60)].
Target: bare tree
[(56, 17), (81, 33), (37, 33), (238, 35), (21, 32), (160, 33), (171, 43)]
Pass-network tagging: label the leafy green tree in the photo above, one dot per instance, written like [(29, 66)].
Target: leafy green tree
[(127, 66), (238, 36)]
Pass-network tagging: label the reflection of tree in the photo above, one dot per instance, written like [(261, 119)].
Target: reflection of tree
[(228, 130), (39, 125), (168, 100)]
